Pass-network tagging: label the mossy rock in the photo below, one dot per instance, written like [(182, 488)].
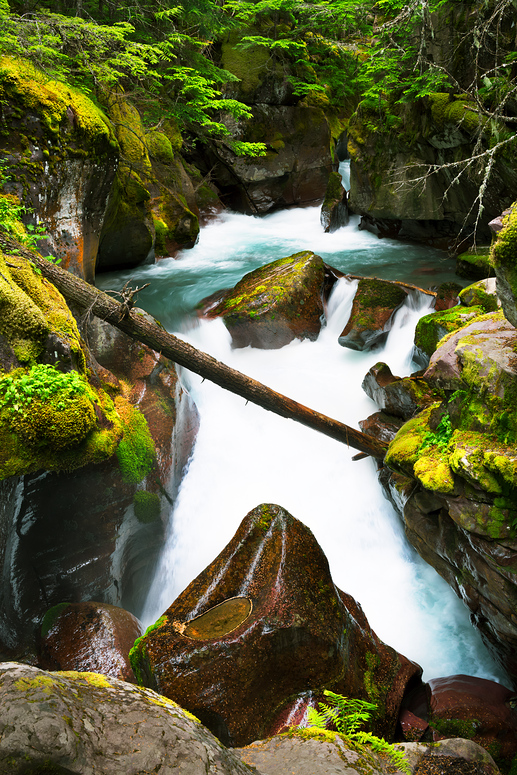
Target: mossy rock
[(503, 256), (432, 328), (475, 265), (374, 304), (276, 303), (481, 294)]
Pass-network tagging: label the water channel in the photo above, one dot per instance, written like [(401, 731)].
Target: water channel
[(245, 456)]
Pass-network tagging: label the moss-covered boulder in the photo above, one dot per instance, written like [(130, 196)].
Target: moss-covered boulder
[(274, 304), (481, 294), (334, 210), (61, 155), (398, 397), (504, 259), (475, 264), (400, 178), (370, 321), (72, 722), (462, 517), (241, 650), (431, 328)]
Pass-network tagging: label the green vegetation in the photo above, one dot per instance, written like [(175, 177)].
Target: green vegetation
[(349, 716), (136, 453)]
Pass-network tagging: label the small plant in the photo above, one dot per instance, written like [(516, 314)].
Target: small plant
[(11, 212), (348, 716), (441, 437)]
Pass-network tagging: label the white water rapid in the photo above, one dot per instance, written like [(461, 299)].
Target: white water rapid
[(245, 456)]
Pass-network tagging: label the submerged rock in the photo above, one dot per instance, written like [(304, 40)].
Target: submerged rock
[(374, 304), (274, 304), (262, 626), (86, 723), (89, 637)]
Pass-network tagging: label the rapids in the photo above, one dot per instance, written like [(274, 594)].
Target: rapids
[(245, 456)]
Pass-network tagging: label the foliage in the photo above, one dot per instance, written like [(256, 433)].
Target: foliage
[(441, 437), (348, 716), (43, 382), (11, 212)]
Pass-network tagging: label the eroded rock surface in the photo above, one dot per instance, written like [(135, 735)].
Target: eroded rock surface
[(299, 633), (85, 723)]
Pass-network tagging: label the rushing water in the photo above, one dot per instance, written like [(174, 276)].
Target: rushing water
[(245, 456)]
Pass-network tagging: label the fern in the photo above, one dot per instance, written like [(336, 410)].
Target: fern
[(348, 715)]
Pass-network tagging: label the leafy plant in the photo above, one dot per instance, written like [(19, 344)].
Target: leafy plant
[(11, 212), (441, 437), (42, 383), (349, 716)]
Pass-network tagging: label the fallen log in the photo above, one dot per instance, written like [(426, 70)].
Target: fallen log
[(137, 326)]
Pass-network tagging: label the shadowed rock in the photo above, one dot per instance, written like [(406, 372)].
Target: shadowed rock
[(288, 630)]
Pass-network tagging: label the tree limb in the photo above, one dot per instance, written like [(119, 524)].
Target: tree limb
[(136, 325)]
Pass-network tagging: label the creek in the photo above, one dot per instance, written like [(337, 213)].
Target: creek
[(245, 456)]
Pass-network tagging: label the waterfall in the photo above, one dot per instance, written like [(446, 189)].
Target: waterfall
[(245, 456)]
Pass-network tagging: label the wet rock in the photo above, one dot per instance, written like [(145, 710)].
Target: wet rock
[(381, 426), (83, 723), (263, 625), (449, 757), (400, 397), (89, 637), (334, 210), (431, 328), (275, 304), (475, 709), (481, 294), (375, 302), (502, 256), (446, 296)]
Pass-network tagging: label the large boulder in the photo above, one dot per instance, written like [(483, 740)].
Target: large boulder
[(274, 304), (262, 626), (62, 156), (503, 258), (85, 723), (375, 303)]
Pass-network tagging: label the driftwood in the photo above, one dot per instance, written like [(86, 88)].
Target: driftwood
[(137, 326)]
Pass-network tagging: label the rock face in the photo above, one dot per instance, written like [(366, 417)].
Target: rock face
[(85, 723), (503, 259), (262, 626), (294, 170), (374, 304), (275, 304), (89, 468), (462, 516), (389, 186), (72, 159)]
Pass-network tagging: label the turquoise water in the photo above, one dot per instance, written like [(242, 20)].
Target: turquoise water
[(245, 456)]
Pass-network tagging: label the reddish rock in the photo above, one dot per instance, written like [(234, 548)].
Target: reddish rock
[(262, 626), (401, 397), (381, 426), (447, 296), (374, 304), (475, 708), (274, 304), (413, 727), (89, 637)]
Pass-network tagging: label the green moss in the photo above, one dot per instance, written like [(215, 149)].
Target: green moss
[(404, 450), (92, 679), (249, 65), (460, 111), (147, 506), (160, 147), (43, 683), (22, 322), (476, 296), (504, 248), (136, 452), (455, 727), (432, 328), (51, 617), (137, 655)]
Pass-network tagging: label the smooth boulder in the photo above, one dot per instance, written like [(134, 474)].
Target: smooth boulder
[(375, 303)]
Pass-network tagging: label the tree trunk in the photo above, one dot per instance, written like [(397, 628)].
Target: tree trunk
[(135, 325)]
